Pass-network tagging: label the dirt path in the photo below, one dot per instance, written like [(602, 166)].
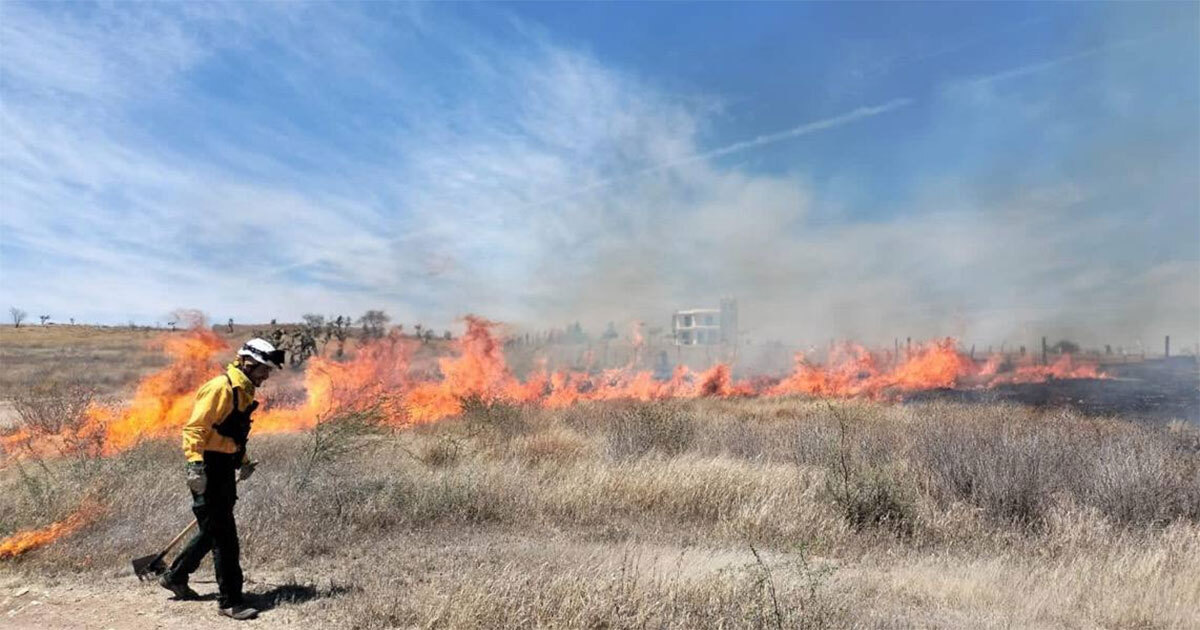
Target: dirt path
[(116, 600), (122, 603)]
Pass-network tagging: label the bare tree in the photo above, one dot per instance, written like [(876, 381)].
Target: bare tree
[(313, 320), (44, 318), (373, 323), (18, 316)]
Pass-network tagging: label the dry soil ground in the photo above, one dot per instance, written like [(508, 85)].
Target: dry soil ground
[(119, 602)]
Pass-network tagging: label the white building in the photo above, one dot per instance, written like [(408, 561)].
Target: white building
[(706, 326)]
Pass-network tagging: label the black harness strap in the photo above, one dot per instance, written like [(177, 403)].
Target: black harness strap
[(236, 425)]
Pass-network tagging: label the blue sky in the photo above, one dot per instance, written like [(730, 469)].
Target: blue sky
[(992, 171)]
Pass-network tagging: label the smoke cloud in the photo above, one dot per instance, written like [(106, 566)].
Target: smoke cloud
[(433, 167)]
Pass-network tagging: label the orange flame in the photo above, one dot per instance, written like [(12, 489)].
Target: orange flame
[(382, 374), (30, 539), (160, 405), (1064, 367), (163, 400), (853, 371), (373, 376)]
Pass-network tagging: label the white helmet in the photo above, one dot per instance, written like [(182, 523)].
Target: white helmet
[(262, 351)]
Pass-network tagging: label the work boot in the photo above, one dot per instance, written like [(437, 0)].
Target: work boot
[(182, 591), (241, 612)]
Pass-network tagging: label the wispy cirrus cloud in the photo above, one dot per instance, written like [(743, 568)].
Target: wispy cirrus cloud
[(276, 160)]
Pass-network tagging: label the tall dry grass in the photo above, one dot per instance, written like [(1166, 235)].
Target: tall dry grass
[(707, 513)]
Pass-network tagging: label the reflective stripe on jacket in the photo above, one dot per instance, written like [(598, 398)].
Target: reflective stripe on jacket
[(214, 401)]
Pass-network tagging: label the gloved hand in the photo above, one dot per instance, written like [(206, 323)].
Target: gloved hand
[(246, 470), (197, 480)]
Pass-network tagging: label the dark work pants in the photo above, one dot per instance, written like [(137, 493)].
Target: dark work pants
[(217, 531)]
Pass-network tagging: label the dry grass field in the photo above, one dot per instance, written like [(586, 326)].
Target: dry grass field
[(751, 513), (781, 513), (109, 358)]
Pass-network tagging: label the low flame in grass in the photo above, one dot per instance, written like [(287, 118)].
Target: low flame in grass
[(163, 400), (374, 376), (160, 405), (382, 374), (854, 371), (1063, 367), (30, 539), (478, 371)]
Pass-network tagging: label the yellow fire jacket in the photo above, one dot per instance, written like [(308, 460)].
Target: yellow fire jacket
[(214, 401)]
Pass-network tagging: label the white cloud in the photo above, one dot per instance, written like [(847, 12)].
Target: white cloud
[(540, 188)]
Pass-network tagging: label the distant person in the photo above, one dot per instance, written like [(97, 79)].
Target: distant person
[(214, 442)]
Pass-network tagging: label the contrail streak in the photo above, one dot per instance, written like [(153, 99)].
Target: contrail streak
[(1042, 66), (794, 132), (772, 138)]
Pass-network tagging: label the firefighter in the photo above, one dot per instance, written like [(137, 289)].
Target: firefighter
[(214, 442)]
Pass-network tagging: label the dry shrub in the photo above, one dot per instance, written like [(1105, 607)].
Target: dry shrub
[(808, 443), (757, 431), (440, 452), (495, 420), (689, 497), (53, 461), (603, 591), (125, 497), (868, 489), (58, 410), (472, 492), (553, 446), (1143, 479), (874, 500), (1012, 466), (1006, 469), (340, 434), (660, 427)]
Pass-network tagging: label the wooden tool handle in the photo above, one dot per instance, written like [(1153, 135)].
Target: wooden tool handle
[(178, 537)]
